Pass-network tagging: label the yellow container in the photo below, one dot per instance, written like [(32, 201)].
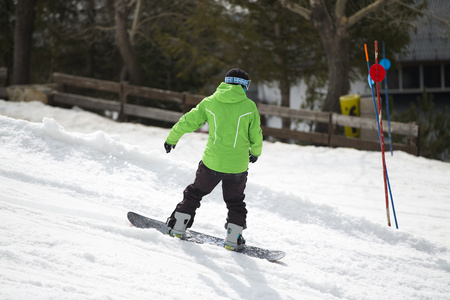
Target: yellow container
[(350, 107)]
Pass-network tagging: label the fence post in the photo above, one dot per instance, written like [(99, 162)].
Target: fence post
[(330, 128), (123, 100), (4, 82), (418, 139), (61, 87)]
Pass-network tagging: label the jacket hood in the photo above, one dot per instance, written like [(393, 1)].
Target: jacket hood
[(230, 93)]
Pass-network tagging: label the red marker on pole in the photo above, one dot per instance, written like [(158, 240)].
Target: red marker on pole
[(377, 72)]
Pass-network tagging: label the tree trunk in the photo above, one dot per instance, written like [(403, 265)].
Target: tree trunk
[(25, 13), (90, 58), (335, 40), (124, 44), (284, 84), (285, 89), (338, 71)]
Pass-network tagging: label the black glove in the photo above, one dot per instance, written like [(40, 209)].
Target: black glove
[(168, 147), (252, 158)]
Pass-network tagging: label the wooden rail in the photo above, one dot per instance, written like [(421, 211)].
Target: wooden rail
[(122, 91), (64, 80)]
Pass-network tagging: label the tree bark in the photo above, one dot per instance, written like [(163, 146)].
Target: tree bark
[(25, 13), (123, 42)]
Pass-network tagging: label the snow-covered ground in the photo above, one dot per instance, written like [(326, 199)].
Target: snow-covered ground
[(68, 178)]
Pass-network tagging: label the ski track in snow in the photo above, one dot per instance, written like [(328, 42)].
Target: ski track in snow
[(68, 178)]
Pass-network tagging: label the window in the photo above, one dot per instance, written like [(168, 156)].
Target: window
[(432, 76), (392, 79), (411, 77), (447, 75)]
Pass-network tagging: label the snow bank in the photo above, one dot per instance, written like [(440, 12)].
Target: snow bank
[(64, 234)]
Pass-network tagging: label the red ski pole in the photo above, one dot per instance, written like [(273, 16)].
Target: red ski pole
[(379, 74)]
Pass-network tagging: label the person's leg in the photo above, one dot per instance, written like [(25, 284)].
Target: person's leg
[(233, 186), (205, 181)]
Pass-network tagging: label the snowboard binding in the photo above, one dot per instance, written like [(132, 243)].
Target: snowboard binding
[(176, 225), (234, 240)]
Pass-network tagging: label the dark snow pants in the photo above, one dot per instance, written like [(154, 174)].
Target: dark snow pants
[(233, 186)]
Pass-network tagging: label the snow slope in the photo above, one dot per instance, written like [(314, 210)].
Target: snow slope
[(68, 178)]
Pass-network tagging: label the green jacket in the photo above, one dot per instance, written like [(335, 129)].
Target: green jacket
[(234, 129)]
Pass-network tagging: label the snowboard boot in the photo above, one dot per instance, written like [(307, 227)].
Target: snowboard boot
[(177, 224), (234, 241)]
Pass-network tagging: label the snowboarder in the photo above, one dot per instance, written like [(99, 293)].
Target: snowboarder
[(235, 139)]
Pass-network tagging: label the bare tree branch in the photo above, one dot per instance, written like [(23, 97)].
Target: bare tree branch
[(426, 12), (298, 9), (137, 16), (131, 3), (352, 20), (339, 11), (162, 15)]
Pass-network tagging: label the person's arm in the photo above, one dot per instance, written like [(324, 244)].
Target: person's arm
[(189, 122), (255, 134)]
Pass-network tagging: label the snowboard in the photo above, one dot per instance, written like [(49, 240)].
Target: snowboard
[(140, 221)]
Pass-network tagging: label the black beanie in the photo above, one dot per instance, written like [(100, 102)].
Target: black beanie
[(236, 72)]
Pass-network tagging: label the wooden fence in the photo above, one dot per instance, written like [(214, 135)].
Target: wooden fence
[(3, 82), (185, 101), (330, 139), (123, 91)]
